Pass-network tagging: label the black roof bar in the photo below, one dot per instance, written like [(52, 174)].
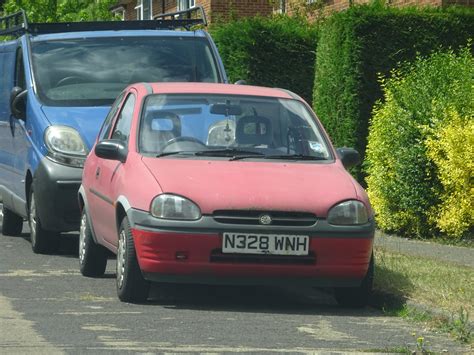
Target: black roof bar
[(17, 24), (186, 14), (14, 24)]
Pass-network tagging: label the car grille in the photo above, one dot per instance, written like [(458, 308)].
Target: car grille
[(218, 257), (252, 217)]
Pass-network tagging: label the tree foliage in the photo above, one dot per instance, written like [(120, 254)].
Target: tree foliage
[(62, 10)]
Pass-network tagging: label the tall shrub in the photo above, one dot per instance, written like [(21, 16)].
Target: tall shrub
[(276, 52), (357, 45), (451, 149), (408, 181)]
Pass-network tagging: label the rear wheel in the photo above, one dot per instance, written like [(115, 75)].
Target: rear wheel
[(42, 241), (12, 223), (92, 257), (131, 286), (357, 297)]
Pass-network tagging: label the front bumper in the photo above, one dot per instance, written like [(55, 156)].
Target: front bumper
[(191, 252), (56, 188)]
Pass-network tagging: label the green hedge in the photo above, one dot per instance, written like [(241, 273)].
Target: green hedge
[(356, 46), (276, 52), (420, 150)]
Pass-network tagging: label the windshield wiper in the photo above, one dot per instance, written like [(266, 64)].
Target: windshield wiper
[(228, 152), (173, 153), (294, 157)]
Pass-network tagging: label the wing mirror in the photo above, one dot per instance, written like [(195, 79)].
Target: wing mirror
[(111, 149), (18, 103), (349, 156)]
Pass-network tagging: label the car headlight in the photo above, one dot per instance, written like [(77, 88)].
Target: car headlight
[(348, 213), (174, 207), (65, 146)]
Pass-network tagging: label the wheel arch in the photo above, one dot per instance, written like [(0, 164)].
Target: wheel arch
[(81, 198), (122, 206), (28, 184)]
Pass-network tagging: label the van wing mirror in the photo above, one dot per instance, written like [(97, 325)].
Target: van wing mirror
[(18, 102), (111, 149), (349, 156)]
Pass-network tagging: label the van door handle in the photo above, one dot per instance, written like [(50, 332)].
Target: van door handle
[(97, 173)]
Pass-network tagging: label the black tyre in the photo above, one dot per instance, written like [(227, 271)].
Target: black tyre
[(131, 286), (12, 223), (92, 257), (357, 297), (42, 241)]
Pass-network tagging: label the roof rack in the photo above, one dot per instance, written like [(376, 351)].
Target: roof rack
[(17, 24), (14, 24), (186, 14)]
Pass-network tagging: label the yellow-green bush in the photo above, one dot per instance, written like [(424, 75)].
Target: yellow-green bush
[(451, 148), (419, 180)]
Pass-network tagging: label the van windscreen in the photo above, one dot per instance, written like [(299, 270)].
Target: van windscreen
[(93, 71)]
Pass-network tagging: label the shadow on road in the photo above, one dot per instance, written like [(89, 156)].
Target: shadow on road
[(251, 299)]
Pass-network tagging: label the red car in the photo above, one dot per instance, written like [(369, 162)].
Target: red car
[(223, 184)]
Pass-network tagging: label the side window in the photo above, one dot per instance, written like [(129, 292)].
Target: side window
[(107, 125), (124, 120), (20, 79)]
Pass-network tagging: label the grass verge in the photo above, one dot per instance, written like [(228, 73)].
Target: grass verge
[(401, 281)]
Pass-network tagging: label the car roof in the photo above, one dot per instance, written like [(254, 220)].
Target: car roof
[(224, 89)]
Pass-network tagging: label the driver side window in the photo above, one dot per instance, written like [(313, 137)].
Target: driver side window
[(124, 120), (105, 130)]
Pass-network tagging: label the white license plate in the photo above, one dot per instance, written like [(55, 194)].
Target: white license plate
[(273, 244)]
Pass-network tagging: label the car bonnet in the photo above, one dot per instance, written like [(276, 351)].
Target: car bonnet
[(285, 186)]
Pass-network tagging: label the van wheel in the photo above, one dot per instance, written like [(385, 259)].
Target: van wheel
[(12, 223), (42, 241), (357, 297), (92, 257), (131, 286)]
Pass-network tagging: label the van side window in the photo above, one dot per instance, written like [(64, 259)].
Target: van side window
[(20, 79), (124, 120), (107, 125)]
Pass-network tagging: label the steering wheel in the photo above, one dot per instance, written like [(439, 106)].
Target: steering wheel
[(183, 139), (73, 79)]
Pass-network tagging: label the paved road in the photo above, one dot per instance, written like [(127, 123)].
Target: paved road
[(46, 306)]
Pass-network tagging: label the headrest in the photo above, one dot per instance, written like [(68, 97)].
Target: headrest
[(254, 130)]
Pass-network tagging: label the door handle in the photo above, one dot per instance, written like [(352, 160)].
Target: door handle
[(97, 173)]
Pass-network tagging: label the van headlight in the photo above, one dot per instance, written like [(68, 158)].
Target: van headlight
[(348, 213), (65, 146), (168, 206)]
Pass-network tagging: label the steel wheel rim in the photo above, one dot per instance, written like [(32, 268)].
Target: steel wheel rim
[(121, 259), (82, 239), (32, 220)]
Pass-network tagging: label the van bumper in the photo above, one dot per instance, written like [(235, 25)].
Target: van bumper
[(56, 188)]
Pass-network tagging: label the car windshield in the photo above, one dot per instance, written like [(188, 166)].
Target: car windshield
[(93, 71), (240, 127)]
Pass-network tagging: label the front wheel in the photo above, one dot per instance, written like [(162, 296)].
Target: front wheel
[(12, 223), (131, 286), (357, 297), (92, 257), (42, 241)]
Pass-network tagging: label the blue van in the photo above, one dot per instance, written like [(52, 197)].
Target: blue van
[(57, 84)]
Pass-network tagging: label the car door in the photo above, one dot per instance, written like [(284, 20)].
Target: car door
[(6, 157), (106, 176)]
